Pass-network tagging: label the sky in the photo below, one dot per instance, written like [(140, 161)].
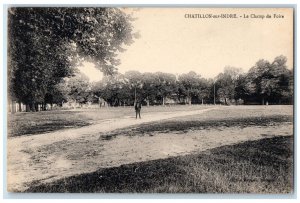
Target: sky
[(170, 41)]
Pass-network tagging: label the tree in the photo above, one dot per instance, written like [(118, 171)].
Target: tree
[(164, 85), (226, 83), (149, 90), (254, 78), (135, 82), (190, 85), (124, 90), (114, 89), (283, 78), (77, 89), (45, 43), (240, 91), (270, 82), (204, 87), (98, 90)]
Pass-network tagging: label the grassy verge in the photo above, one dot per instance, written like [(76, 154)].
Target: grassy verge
[(183, 125), (198, 124), (43, 122), (263, 166)]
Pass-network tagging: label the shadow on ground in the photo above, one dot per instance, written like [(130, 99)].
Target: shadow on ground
[(197, 123), (263, 166)]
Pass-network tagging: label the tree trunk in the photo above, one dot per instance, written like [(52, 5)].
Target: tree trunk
[(27, 108), (190, 100), (36, 107), (20, 106), (32, 107), (163, 101), (202, 101), (263, 101), (99, 102), (13, 106), (44, 106)]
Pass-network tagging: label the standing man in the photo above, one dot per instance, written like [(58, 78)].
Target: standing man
[(138, 107)]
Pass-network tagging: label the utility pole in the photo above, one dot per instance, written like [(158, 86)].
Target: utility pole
[(214, 93)]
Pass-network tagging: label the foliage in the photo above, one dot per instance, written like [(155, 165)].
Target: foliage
[(226, 83), (192, 85), (45, 44), (270, 82), (164, 85), (78, 88), (149, 90)]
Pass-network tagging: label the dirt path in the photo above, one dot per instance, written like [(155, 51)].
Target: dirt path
[(48, 157), (21, 168)]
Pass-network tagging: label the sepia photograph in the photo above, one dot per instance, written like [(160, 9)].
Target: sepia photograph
[(176, 100)]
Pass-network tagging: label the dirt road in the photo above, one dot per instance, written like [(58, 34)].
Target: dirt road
[(22, 168), (52, 156)]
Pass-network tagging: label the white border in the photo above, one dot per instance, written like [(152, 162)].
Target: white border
[(165, 3)]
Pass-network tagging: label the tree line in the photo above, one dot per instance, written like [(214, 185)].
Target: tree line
[(45, 44), (264, 83)]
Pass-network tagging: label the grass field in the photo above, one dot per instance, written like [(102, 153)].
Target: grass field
[(27, 123), (264, 166), (48, 121), (241, 116), (258, 162)]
